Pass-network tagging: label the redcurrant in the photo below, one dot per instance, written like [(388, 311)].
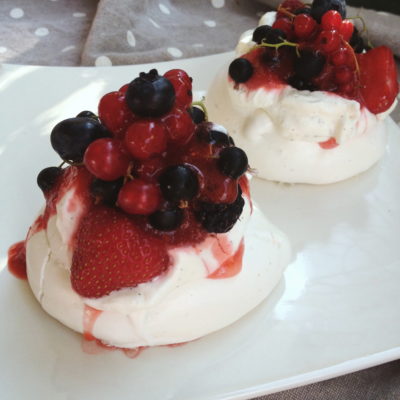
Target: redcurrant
[(139, 197), (285, 25), (145, 138), (331, 20), (304, 26), (329, 41), (346, 29), (343, 74), (106, 159), (179, 125)]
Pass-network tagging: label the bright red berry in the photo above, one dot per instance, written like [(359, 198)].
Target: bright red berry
[(343, 74), (304, 25), (329, 41), (179, 125), (112, 253), (346, 29), (115, 114), (378, 78), (289, 5), (285, 25), (347, 88), (331, 20), (139, 197), (106, 159), (145, 138), (340, 57), (122, 90), (179, 73)]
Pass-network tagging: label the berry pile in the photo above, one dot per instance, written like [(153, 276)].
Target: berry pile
[(154, 157), (314, 47)]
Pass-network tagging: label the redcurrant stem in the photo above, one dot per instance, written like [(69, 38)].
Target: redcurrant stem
[(129, 176), (277, 45), (286, 12), (202, 106), (61, 165), (353, 54), (364, 29)]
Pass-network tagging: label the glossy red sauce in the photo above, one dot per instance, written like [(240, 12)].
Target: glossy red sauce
[(17, 260)]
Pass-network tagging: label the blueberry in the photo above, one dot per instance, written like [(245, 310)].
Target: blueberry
[(357, 42), (211, 133), (301, 84), (304, 10), (320, 7), (87, 114), (219, 218), (197, 114), (178, 182), (232, 162), (309, 64), (166, 220), (240, 70), (150, 95), (106, 191), (71, 137), (47, 178), (268, 34)]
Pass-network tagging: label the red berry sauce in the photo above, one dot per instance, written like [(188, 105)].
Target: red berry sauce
[(17, 260)]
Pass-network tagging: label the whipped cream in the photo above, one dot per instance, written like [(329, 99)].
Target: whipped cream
[(281, 128), (179, 306)]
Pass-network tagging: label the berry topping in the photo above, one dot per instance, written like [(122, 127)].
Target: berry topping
[(146, 138), (304, 26), (233, 162), (114, 113), (197, 115), (220, 218), (150, 95), (268, 34), (309, 64), (112, 252), (106, 191), (166, 220), (71, 137), (47, 178), (139, 197), (179, 182), (329, 41), (87, 114), (107, 159), (378, 78), (240, 70), (320, 7), (182, 85), (179, 125), (331, 20)]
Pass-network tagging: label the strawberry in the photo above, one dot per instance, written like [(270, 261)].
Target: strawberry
[(112, 252), (378, 78)]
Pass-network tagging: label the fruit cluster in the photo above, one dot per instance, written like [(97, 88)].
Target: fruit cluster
[(314, 47), (153, 155)]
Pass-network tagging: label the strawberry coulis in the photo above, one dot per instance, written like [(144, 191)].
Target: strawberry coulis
[(17, 260)]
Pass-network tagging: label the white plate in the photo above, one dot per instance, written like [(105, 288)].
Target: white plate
[(336, 310)]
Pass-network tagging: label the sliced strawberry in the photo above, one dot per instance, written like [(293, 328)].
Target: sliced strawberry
[(112, 253), (378, 78)]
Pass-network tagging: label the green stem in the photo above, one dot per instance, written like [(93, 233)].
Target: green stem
[(278, 45)]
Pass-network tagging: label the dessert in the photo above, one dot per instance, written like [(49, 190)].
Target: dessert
[(305, 97), (149, 235)]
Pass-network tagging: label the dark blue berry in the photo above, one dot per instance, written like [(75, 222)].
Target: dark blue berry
[(106, 191), (208, 132), (301, 84), (357, 42), (197, 114), (268, 34), (178, 182), (232, 162), (219, 218), (150, 95), (309, 64), (240, 70), (166, 220), (71, 137), (304, 10), (47, 178), (320, 7), (87, 114)]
